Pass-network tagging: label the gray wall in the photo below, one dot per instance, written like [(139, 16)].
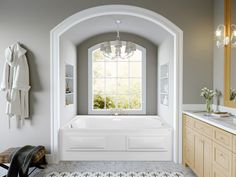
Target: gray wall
[(30, 22), (218, 54), (151, 71)]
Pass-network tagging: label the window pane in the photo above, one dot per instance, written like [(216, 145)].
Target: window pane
[(111, 69), (135, 69), (123, 69), (116, 83), (123, 102), (110, 102), (98, 86), (97, 55), (98, 69), (98, 102), (110, 86), (137, 56), (135, 86), (135, 102), (123, 86)]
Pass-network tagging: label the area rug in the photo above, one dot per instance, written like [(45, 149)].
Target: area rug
[(116, 174)]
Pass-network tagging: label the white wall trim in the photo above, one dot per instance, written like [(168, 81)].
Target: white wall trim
[(142, 13), (49, 158)]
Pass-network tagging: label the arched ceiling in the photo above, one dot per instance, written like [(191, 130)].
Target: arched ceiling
[(105, 24)]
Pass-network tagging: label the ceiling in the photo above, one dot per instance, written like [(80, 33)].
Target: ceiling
[(106, 24)]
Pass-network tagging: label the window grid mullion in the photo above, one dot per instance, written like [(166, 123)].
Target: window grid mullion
[(129, 83), (104, 85), (129, 78), (116, 102), (117, 77)]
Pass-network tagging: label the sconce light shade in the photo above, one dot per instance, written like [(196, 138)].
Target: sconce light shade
[(233, 35), (222, 39)]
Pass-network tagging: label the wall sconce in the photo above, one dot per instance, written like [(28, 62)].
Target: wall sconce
[(222, 39)]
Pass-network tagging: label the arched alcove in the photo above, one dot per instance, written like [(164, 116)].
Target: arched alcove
[(138, 12)]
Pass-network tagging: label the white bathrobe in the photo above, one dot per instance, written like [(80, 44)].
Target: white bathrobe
[(16, 81)]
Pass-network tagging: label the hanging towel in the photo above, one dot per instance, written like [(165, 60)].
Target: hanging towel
[(16, 81)]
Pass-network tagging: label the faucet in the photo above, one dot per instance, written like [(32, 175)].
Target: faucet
[(116, 111), (218, 95)]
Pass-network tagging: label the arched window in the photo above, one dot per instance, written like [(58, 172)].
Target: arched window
[(116, 84)]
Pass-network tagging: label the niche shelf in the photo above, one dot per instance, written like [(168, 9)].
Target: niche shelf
[(69, 84), (164, 84)]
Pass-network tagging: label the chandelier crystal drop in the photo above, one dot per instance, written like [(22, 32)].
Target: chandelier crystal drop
[(119, 51)]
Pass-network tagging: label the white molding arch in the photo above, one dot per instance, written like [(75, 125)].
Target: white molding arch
[(115, 10)]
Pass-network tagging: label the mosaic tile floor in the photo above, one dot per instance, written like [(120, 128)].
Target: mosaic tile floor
[(112, 167), (115, 174)]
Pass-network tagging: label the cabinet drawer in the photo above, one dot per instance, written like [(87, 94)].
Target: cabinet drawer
[(224, 138), (222, 158), (234, 144), (203, 128), (188, 121)]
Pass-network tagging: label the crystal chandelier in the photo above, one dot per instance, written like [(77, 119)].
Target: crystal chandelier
[(118, 52)]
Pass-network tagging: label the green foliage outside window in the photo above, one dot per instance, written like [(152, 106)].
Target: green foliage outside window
[(99, 102)]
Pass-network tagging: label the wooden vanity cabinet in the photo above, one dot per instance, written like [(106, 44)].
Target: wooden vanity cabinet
[(207, 150), (203, 157), (234, 144), (234, 165), (222, 161), (189, 146)]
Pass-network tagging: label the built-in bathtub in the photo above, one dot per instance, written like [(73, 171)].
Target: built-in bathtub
[(116, 138)]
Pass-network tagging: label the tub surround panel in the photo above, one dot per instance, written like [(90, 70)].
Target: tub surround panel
[(118, 140)]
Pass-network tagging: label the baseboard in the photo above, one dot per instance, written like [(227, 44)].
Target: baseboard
[(49, 158), (193, 107)]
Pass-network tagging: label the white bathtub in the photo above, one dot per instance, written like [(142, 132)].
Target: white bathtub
[(116, 138)]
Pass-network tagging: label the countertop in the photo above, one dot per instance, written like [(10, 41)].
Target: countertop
[(225, 123)]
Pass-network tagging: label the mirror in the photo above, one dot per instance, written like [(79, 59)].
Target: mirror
[(230, 56)]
